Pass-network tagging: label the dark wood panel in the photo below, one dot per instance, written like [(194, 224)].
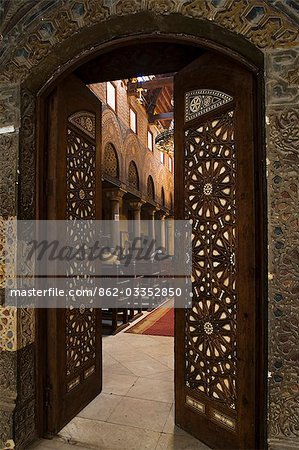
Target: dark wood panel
[(74, 369), (218, 388)]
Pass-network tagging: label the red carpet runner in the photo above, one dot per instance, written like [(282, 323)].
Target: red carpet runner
[(160, 322)]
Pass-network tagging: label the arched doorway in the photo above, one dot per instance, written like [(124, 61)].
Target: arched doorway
[(191, 391), (42, 41)]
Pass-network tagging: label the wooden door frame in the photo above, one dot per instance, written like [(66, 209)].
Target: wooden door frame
[(257, 260), (255, 64)]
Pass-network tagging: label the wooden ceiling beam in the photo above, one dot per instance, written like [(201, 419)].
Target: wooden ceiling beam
[(162, 116), (169, 93), (165, 99), (149, 85), (152, 97)]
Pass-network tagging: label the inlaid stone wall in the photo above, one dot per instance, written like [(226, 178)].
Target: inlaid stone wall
[(17, 348), (42, 38), (282, 83), (9, 146)]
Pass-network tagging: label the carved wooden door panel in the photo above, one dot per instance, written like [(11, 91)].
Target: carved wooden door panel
[(74, 353), (218, 379)]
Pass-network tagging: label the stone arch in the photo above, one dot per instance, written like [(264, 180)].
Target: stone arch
[(132, 151), (133, 176), (150, 188), (111, 163), (163, 196), (32, 51), (149, 167), (111, 133), (164, 179)]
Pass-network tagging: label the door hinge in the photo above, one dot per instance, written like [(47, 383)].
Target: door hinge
[(47, 396), (49, 187)]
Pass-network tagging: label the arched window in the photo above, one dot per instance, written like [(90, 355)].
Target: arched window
[(111, 166), (162, 196), (150, 188), (133, 178)]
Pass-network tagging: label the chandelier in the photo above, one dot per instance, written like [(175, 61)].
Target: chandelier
[(165, 140)]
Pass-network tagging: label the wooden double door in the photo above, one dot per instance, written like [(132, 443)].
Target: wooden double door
[(219, 341)]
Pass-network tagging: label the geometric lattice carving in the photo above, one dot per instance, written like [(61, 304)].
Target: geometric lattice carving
[(150, 188), (85, 121), (81, 177), (133, 178), (81, 342), (210, 166), (202, 101), (111, 166), (81, 204)]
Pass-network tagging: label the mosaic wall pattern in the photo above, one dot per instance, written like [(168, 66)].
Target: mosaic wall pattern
[(8, 170), (27, 157), (9, 106), (32, 41), (283, 176), (6, 431), (7, 251), (282, 86), (289, 7), (8, 335), (270, 24), (284, 238)]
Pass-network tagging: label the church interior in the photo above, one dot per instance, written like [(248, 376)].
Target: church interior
[(137, 168)]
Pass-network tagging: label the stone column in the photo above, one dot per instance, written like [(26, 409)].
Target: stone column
[(114, 195), (136, 208), (162, 230), (162, 236), (151, 223), (170, 235)]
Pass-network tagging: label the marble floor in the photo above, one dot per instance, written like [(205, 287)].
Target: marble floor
[(135, 409)]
